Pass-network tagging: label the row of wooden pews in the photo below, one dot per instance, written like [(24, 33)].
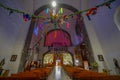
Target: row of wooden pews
[(77, 73), (35, 74)]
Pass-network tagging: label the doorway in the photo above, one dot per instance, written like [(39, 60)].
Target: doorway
[(62, 58)]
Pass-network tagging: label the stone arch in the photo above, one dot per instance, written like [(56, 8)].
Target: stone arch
[(39, 10), (31, 28)]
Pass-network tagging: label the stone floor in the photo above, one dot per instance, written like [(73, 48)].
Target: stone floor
[(58, 74)]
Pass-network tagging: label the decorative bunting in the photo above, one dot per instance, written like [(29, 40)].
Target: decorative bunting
[(61, 21), (88, 16), (56, 18), (107, 3), (65, 17), (10, 12), (68, 25), (26, 17), (33, 18), (41, 26), (47, 10), (61, 10), (36, 31), (91, 11)]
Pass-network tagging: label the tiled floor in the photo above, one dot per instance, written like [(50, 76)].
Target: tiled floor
[(58, 74)]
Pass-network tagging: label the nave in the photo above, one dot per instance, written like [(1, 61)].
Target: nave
[(34, 35), (60, 73)]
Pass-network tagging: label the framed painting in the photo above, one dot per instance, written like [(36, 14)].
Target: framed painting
[(100, 57), (13, 58)]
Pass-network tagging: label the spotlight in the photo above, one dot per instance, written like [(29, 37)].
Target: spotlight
[(54, 4)]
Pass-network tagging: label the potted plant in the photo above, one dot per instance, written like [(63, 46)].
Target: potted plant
[(107, 71), (95, 66)]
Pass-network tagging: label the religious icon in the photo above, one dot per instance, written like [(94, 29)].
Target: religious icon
[(100, 57), (13, 58)]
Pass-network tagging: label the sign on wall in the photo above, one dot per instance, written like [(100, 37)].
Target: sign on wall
[(13, 58), (100, 57)]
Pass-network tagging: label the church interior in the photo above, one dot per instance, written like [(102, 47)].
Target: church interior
[(59, 39)]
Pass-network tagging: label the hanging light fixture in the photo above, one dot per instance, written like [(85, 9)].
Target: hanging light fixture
[(54, 4)]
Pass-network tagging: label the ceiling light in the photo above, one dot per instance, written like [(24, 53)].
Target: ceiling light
[(54, 4)]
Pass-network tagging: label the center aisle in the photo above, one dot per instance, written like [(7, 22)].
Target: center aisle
[(58, 74)]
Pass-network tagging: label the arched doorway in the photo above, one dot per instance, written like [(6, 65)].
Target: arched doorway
[(61, 58), (48, 59), (58, 41), (31, 30)]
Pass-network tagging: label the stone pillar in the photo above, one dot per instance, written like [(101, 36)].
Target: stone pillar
[(95, 44)]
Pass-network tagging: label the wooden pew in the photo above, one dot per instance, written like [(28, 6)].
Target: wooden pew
[(75, 72), (88, 74), (29, 74), (72, 70), (42, 73), (45, 70), (20, 78)]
